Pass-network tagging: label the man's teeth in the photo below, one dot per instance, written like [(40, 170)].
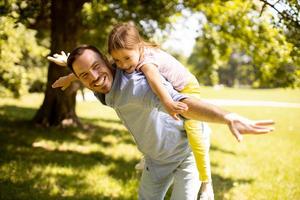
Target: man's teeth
[(100, 82)]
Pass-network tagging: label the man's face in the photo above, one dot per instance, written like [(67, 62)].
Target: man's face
[(126, 59), (93, 72)]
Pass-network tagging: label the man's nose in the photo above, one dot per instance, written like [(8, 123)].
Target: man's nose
[(94, 74)]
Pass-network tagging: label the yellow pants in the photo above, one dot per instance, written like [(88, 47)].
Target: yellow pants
[(199, 142)]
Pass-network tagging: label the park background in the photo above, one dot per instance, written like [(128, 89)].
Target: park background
[(53, 146)]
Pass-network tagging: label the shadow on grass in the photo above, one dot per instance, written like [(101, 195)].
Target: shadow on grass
[(216, 148), (28, 189), (17, 139), (14, 119), (223, 185)]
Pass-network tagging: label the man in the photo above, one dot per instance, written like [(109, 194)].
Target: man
[(160, 138)]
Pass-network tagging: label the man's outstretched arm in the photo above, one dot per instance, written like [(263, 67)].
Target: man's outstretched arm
[(203, 111)]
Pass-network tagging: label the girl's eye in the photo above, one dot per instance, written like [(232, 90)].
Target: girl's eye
[(127, 58)]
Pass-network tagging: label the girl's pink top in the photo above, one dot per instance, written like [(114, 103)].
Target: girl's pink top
[(169, 67)]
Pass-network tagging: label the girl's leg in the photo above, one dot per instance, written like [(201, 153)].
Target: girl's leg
[(198, 134), (199, 140)]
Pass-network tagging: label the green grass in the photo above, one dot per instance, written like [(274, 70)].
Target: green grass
[(52, 163), (261, 167), (281, 95)]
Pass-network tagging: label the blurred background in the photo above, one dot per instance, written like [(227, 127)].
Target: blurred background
[(244, 53)]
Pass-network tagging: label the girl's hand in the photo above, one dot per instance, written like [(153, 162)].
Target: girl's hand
[(59, 59), (174, 108), (63, 82)]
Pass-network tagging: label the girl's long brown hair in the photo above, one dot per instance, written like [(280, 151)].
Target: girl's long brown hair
[(126, 36)]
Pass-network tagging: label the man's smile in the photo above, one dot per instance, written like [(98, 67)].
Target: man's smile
[(99, 82)]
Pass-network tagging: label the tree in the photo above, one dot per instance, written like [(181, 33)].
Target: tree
[(288, 13), (59, 107), (236, 28)]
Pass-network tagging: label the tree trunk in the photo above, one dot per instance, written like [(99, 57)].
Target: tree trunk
[(58, 107)]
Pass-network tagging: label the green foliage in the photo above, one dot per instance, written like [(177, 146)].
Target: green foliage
[(27, 18), (19, 53), (236, 47), (240, 47), (100, 16), (288, 19)]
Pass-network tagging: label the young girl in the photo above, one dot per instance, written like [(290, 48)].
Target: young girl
[(130, 52)]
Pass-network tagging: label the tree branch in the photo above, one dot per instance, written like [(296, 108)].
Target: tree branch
[(284, 14)]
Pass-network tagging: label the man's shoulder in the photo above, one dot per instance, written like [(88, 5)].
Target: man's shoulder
[(100, 97)]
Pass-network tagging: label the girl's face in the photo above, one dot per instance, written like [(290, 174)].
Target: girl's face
[(126, 59)]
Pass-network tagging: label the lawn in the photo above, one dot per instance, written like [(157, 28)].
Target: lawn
[(98, 163), (278, 95)]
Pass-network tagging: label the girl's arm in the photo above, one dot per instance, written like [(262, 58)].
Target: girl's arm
[(64, 81), (154, 79)]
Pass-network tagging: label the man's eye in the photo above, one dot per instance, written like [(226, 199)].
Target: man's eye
[(84, 76), (127, 58)]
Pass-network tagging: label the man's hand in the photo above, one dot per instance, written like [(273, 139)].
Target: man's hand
[(175, 107), (59, 59), (62, 82), (240, 125)]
